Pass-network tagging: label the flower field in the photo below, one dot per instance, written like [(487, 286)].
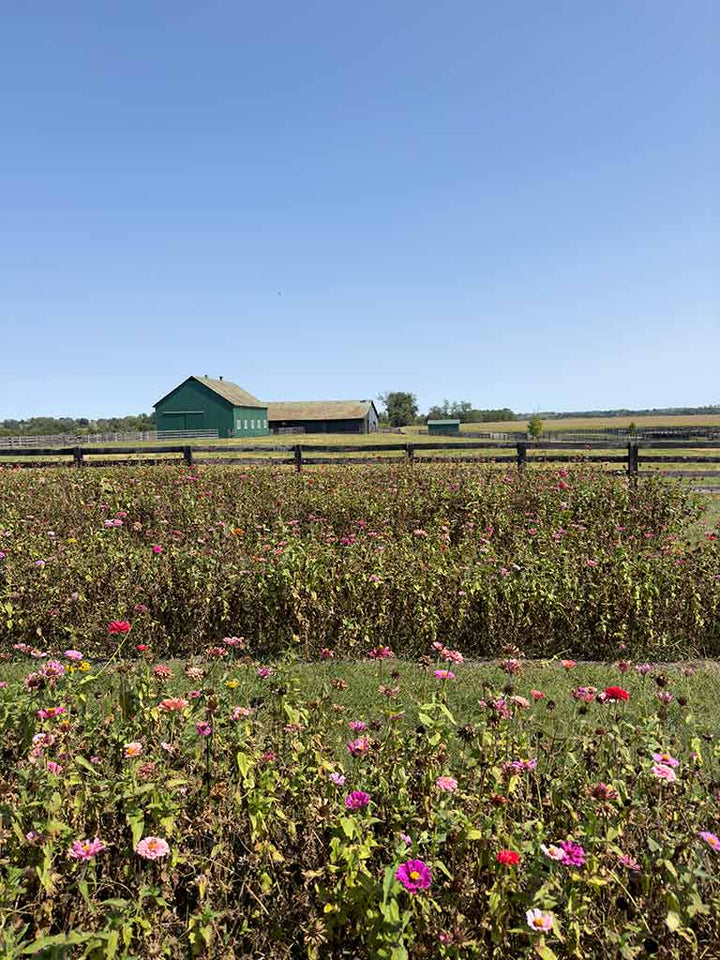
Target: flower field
[(380, 809), (567, 563), (243, 715)]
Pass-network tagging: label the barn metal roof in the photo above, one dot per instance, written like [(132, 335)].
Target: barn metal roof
[(319, 410), (223, 388), (231, 392)]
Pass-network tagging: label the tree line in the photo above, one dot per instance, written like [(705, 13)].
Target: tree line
[(400, 408), (76, 426)]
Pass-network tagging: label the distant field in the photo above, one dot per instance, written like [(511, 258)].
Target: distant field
[(599, 423)]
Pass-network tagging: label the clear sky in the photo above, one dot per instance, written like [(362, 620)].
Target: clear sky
[(515, 203)]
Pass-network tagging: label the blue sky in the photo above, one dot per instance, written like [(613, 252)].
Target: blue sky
[(512, 203)]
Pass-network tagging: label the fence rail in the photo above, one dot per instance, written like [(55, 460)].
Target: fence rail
[(139, 436), (300, 455)]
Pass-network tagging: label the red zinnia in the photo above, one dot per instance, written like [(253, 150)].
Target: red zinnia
[(118, 626), (616, 693), (508, 857)]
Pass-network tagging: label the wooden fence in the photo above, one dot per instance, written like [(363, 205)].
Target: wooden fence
[(302, 455), (137, 436)]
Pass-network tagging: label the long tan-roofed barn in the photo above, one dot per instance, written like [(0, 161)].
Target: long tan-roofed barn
[(329, 416)]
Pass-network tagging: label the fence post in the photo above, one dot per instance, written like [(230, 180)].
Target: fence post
[(521, 456), (633, 461), (410, 452), (188, 456), (78, 457), (297, 450)]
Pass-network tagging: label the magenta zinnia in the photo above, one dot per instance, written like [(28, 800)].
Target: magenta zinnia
[(414, 875), (711, 840), (357, 800)]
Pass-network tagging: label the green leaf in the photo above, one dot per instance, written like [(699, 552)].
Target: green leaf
[(673, 921), (542, 950), (113, 941)]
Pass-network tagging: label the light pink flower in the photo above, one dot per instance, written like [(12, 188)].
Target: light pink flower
[(447, 783), (133, 749), (666, 759), (538, 921), (73, 655), (152, 848), (663, 772), (241, 712)]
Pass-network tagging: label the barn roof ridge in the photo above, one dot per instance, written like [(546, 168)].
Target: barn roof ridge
[(232, 392), (318, 409)]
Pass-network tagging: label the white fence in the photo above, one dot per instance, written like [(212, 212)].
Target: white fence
[(84, 440)]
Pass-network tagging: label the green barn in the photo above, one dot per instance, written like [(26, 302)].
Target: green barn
[(203, 403), (445, 428)]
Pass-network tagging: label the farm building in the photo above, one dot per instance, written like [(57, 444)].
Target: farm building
[(203, 403), (444, 427), (331, 416)]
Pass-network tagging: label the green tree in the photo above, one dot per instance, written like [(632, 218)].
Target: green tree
[(401, 408), (535, 426)]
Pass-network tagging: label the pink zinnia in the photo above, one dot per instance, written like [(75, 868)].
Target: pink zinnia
[(203, 728), (663, 772), (162, 671), (523, 766), (359, 747), (73, 655), (414, 875), (172, 704), (54, 767), (538, 921), (338, 779), (152, 848), (666, 759), (119, 626), (553, 851), (537, 695), (357, 800), (85, 850), (711, 840), (133, 749), (357, 726), (241, 712), (47, 713), (157, 548), (447, 783), (264, 672), (381, 653), (444, 675)]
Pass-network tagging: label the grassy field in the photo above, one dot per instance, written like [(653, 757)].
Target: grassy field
[(600, 423)]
